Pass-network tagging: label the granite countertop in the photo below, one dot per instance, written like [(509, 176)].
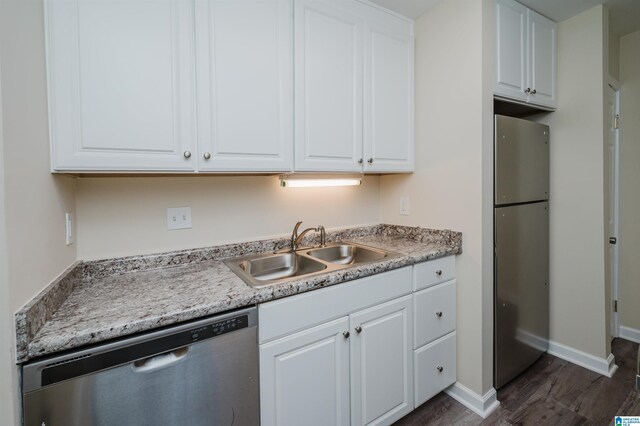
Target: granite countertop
[(102, 300)]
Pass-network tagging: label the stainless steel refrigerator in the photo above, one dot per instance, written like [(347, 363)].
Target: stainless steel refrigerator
[(521, 243)]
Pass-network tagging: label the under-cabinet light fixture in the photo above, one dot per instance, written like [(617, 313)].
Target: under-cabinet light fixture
[(311, 181)]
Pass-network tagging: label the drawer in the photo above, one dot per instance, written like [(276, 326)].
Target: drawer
[(433, 272), (434, 312), (434, 368)]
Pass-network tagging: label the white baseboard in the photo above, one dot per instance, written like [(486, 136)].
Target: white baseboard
[(533, 340), (606, 367), (629, 333), (481, 405)]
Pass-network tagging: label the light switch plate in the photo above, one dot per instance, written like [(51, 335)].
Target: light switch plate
[(404, 206), (69, 227), (178, 218)]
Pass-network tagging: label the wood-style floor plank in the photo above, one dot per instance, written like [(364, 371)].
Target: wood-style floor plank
[(516, 393), (550, 392)]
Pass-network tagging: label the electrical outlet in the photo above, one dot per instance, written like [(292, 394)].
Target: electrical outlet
[(69, 226), (179, 218), (404, 206)]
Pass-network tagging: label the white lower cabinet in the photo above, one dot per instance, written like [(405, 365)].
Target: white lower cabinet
[(381, 364), (355, 370), (348, 354), (435, 367), (434, 336), (304, 378)]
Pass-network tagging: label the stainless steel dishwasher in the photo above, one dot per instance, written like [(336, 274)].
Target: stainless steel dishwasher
[(201, 373)]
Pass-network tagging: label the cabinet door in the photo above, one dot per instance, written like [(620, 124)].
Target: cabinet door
[(245, 89), (121, 85), (510, 50), (382, 363), (304, 378), (542, 63), (388, 92), (328, 86)]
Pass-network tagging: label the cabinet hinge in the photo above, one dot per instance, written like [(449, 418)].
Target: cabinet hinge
[(615, 306), (616, 121)]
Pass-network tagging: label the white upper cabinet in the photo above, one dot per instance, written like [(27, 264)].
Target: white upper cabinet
[(121, 89), (328, 82), (525, 55), (511, 49), (354, 88), (388, 93), (209, 86), (244, 62), (542, 47)]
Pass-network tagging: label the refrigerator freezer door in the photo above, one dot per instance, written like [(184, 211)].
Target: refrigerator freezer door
[(522, 290), (521, 161)]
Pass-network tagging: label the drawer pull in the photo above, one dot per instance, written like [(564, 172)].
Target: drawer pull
[(440, 369), (439, 272), (358, 329), (346, 334), (439, 314)]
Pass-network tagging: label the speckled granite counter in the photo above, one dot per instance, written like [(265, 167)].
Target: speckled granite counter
[(96, 301)]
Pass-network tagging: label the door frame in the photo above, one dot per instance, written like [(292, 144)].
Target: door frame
[(615, 199)]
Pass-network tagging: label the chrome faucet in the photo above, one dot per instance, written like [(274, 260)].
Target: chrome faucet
[(296, 238)]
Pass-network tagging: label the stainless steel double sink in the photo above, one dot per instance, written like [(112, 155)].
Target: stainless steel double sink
[(262, 270)]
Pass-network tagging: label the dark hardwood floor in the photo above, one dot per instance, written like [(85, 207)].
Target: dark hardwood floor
[(551, 392)]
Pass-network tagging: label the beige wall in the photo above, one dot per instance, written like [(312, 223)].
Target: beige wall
[(32, 202), (629, 286), (35, 200), (450, 188), (126, 216), (578, 293), (488, 38), (8, 371)]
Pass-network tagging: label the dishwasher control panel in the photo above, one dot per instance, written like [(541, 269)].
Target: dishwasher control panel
[(220, 327)]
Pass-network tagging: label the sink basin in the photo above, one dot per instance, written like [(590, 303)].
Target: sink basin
[(261, 270), (347, 254), (280, 266)]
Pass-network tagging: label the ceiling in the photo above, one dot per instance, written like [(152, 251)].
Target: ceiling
[(409, 8), (624, 15)]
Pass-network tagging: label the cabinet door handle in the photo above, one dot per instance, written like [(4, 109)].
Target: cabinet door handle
[(439, 272), (534, 91), (439, 314), (440, 369), (358, 329), (528, 90), (360, 161), (346, 334), (207, 155), (370, 161), (187, 154)]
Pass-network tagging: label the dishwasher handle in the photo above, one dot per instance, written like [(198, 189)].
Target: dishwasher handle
[(159, 361)]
